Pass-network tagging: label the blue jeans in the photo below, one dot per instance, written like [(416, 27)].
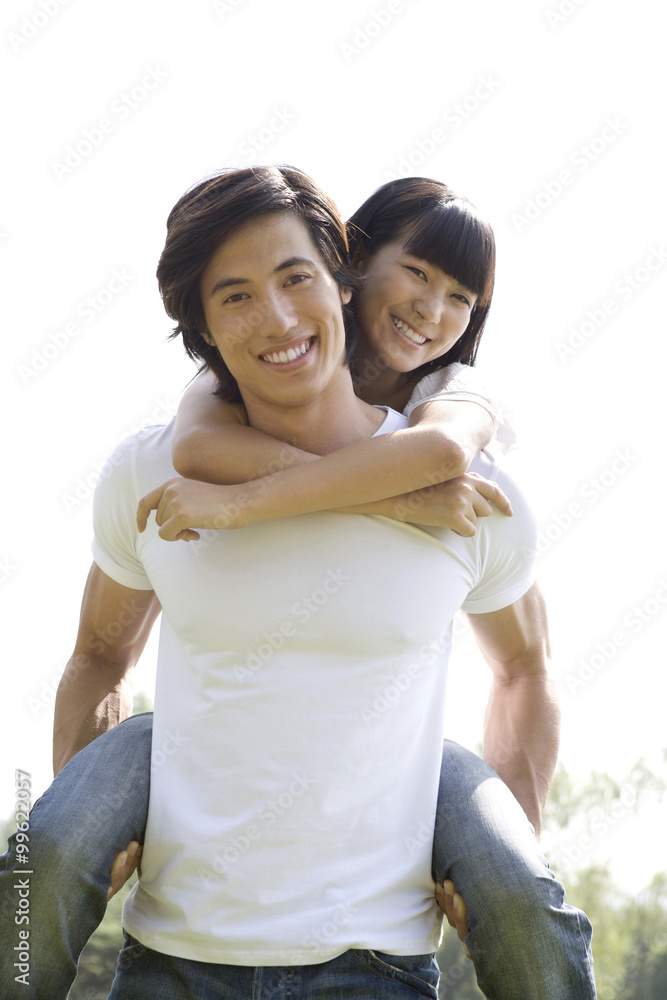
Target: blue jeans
[(525, 941), (355, 975)]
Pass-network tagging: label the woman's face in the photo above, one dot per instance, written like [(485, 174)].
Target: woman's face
[(409, 311)]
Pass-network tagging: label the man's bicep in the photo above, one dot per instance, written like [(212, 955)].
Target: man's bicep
[(115, 621), (515, 640)]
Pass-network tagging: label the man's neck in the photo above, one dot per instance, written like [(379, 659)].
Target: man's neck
[(334, 419)]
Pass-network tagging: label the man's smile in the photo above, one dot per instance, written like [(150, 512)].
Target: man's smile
[(287, 355)]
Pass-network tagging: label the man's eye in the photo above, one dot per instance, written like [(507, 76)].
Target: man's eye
[(235, 297)]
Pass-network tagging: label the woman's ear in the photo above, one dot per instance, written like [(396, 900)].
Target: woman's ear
[(359, 257), (345, 295), (205, 335)]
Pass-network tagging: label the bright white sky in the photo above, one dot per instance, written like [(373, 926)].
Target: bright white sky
[(552, 123)]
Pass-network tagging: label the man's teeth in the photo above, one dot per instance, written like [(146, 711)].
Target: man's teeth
[(282, 357), (408, 331)]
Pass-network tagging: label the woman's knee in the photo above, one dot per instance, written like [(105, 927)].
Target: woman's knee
[(461, 771), (133, 736)]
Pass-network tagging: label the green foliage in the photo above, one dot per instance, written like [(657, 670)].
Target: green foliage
[(98, 960), (629, 932), (141, 703), (457, 973)]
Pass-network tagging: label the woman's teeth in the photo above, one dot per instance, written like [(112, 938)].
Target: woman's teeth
[(282, 357), (408, 332)]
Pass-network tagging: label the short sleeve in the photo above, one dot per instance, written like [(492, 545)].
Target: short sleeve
[(453, 382), (114, 520), (507, 548)]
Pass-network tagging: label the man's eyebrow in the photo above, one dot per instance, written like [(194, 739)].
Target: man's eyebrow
[(224, 282), (290, 262)]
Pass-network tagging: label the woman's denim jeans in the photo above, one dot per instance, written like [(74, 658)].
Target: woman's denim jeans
[(525, 941)]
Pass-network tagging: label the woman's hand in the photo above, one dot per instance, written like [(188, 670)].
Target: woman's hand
[(452, 905), (456, 504), (181, 505), (124, 866)]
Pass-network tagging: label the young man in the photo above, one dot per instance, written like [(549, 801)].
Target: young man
[(299, 704)]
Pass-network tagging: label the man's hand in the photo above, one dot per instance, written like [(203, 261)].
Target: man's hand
[(181, 505), (456, 504), (452, 905), (124, 867)]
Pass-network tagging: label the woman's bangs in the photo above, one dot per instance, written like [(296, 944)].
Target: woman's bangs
[(458, 243)]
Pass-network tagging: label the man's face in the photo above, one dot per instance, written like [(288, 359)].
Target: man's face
[(274, 312)]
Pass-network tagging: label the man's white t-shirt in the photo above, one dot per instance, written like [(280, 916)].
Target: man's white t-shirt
[(298, 717)]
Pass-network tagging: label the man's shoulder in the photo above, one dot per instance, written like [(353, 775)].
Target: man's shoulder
[(139, 462), (489, 465), (154, 442), (496, 535)]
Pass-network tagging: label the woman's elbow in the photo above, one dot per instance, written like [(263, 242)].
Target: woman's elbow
[(185, 455), (452, 457)]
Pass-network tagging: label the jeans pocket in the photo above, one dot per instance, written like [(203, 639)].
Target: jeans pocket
[(132, 949), (418, 972)]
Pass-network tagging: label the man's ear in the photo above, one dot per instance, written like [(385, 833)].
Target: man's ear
[(345, 295)]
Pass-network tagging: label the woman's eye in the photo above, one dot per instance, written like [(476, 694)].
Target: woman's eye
[(418, 271), (236, 297), (463, 298), (297, 279)]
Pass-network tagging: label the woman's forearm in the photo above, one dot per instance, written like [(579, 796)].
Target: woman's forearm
[(389, 465), (233, 453)]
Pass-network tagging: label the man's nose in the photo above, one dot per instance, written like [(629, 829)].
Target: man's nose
[(279, 317)]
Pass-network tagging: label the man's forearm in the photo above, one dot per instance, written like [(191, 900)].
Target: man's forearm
[(521, 737), (92, 697)]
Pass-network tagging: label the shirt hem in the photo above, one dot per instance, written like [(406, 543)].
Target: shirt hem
[(499, 601), (133, 581), (284, 956)]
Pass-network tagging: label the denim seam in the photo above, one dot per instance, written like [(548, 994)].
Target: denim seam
[(401, 976)]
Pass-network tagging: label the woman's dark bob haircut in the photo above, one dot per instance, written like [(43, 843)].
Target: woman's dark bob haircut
[(212, 211), (443, 229)]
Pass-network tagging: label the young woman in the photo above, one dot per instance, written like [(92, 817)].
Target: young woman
[(428, 263)]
